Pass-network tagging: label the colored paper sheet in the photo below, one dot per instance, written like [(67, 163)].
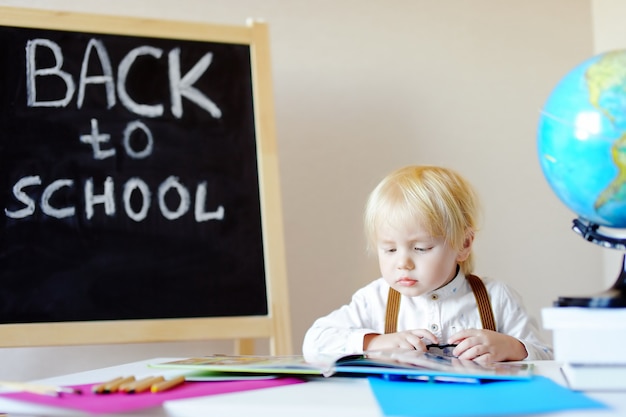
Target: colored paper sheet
[(417, 399), (121, 402)]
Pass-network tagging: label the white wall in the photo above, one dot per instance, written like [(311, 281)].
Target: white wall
[(365, 86)]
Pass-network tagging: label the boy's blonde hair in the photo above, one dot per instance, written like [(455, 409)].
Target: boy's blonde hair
[(438, 198)]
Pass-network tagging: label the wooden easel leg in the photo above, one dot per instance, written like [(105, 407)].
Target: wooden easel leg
[(244, 346)]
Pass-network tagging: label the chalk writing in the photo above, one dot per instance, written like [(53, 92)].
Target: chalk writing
[(106, 199), (179, 85)]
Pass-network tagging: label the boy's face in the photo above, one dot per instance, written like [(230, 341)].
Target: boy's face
[(413, 262)]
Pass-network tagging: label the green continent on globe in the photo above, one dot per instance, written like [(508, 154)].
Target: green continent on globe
[(608, 76)]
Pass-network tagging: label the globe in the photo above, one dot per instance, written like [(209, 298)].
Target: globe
[(582, 139), (581, 142)]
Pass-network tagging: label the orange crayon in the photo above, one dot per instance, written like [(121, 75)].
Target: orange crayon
[(169, 384), (144, 384)]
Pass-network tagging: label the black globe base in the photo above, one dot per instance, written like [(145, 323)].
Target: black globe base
[(608, 299), (614, 297)]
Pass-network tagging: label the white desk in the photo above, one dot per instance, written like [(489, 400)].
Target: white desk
[(330, 397)]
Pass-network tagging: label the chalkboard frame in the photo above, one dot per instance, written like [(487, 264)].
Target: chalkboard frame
[(243, 329)]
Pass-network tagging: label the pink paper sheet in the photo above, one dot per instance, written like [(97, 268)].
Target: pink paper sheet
[(120, 402)]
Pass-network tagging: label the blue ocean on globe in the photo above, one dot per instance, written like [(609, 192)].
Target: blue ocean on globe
[(581, 139)]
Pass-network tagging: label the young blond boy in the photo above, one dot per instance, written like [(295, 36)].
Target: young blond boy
[(421, 222)]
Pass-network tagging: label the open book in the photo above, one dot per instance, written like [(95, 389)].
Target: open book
[(399, 364)]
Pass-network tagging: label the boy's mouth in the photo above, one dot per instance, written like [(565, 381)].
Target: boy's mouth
[(407, 282)]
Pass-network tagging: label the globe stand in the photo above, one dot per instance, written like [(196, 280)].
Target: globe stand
[(614, 296)]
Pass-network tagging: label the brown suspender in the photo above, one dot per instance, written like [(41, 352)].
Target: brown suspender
[(482, 302), (393, 308)]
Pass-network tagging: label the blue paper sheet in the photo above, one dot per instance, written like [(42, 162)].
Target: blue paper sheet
[(536, 395)]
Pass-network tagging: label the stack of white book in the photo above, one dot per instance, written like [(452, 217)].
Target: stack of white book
[(591, 343)]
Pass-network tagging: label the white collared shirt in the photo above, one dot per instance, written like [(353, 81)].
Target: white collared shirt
[(443, 312)]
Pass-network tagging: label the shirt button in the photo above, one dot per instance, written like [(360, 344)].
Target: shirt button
[(434, 297), (434, 327)]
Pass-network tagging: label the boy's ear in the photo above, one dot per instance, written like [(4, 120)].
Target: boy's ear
[(467, 246)]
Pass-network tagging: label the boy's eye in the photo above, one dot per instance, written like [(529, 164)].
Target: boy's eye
[(421, 249)]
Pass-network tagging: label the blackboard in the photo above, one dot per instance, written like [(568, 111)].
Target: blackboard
[(133, 177)]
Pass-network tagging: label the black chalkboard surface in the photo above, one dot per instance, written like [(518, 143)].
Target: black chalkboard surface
[(130, 176)]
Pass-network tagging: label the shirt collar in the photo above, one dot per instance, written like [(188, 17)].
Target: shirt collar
[(451, 287)]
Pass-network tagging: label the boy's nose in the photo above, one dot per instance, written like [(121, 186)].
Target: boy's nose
[(406, 263)]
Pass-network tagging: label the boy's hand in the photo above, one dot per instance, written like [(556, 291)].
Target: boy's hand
[(408, 339), (487, 346)]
